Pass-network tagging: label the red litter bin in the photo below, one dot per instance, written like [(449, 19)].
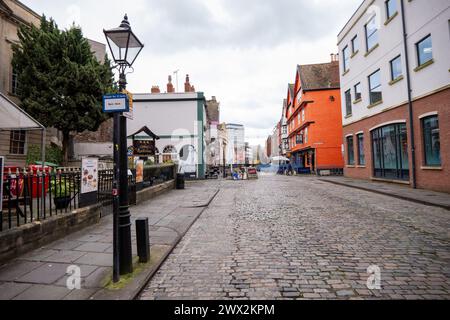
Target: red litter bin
[(37, 188)]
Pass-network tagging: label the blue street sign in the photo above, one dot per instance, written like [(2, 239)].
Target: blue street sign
[(116, 103)]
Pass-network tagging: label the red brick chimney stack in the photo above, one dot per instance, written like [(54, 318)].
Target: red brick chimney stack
[(170, 87), (187, 85), (155, 89)]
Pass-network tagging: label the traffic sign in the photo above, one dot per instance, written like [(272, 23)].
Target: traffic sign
[(113, 103)]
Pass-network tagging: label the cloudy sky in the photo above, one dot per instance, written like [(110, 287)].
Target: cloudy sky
[(244, 52)]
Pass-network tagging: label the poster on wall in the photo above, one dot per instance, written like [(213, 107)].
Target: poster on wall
[(89, 179), (139, 171), (2, 164)]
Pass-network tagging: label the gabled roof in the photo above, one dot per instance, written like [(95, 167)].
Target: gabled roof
[(319, 76), (291, 89), (146, 130), (14, 118)]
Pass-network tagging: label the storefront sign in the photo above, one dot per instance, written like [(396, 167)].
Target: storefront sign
[(116, 103), (144, 147), (89, 175)]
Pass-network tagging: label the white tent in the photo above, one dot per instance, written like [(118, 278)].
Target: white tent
[(14, 118)]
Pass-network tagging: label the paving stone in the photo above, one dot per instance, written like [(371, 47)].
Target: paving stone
[(43, 292), (16, 269), (48, 273), (9, 290), (96, 259), (93, 247), (81, 294), (64, 256)]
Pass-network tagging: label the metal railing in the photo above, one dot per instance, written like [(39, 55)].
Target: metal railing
[(30, 196), (33, 196)]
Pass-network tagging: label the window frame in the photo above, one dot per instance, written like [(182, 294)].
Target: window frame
[(356, 93), (389, 15), (346, 59), (15, 149), (350, 160), (370, 35), (353, 41), (14, 82), (371, 89), (419, 64), (361, 155), (392, 69), (348, 103), (425, 159)]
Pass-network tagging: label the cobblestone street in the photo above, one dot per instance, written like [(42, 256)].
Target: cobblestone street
[(298, 237)]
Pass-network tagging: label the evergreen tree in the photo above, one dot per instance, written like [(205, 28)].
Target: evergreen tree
[(61, 83)]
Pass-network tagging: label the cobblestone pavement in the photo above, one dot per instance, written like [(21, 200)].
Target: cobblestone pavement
[(297, 237)]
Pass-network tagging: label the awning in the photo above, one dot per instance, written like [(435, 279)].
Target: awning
[(14, 118)]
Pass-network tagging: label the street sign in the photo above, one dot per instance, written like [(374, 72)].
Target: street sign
[(113, 103), (129, 114)]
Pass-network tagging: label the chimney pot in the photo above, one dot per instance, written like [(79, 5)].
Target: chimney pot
[(155, 89)]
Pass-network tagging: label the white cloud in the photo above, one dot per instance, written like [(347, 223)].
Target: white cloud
[(242, 52)]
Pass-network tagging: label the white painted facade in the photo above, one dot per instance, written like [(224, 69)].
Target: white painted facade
[(422, 18), (235, 153), (179, 120)]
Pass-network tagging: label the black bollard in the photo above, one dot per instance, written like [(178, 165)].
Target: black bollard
[(143, 240)]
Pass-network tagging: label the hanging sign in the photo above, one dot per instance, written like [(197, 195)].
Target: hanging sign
[(144, 147), (116, 103), (129, 114)]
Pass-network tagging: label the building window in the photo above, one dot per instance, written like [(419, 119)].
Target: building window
[(284, 129), (358, 91), (424, 50), (375, 87), (350, 151), (298, 118), (14, 82), (346, 58), (361, 154), (371, 33), (391, 8), (306, 135), (396, 68), (431, 141), (355, 44), (348, 103), (390, 152), (299, 138), (303, 115), (17, 142)]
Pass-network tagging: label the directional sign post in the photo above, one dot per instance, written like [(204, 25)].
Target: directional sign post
[(113, 103)]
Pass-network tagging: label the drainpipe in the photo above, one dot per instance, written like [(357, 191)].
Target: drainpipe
[(410, 103)]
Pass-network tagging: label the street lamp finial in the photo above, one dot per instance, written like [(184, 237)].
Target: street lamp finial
[(125, 23)]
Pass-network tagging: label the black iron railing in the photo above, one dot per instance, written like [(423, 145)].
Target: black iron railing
[(30, 196)]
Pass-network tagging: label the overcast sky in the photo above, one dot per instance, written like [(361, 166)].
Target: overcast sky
[(244, 52)]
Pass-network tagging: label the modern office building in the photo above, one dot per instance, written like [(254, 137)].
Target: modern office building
[(395, 88), (236, 144)]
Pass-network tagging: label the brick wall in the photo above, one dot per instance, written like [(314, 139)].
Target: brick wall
[(438, 180)]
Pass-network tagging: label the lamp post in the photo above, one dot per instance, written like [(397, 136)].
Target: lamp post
[(124, 47)]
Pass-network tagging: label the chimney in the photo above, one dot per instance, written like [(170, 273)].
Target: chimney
[(155, 89), (187, 85), (170, 87)]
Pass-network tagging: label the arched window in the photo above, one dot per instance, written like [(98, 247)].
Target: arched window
[(169, 153)]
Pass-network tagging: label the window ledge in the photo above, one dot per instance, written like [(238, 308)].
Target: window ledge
[(424, 65), (371, 50), (431, 168), (360, 166), (350, 166), (348, 116), (348, 70), (354, 54), (374, 104), (357, 101), (391, 181), (391, 18), (398, 79)]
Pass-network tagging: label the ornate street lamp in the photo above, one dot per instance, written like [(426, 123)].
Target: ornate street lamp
[(125, 47)]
